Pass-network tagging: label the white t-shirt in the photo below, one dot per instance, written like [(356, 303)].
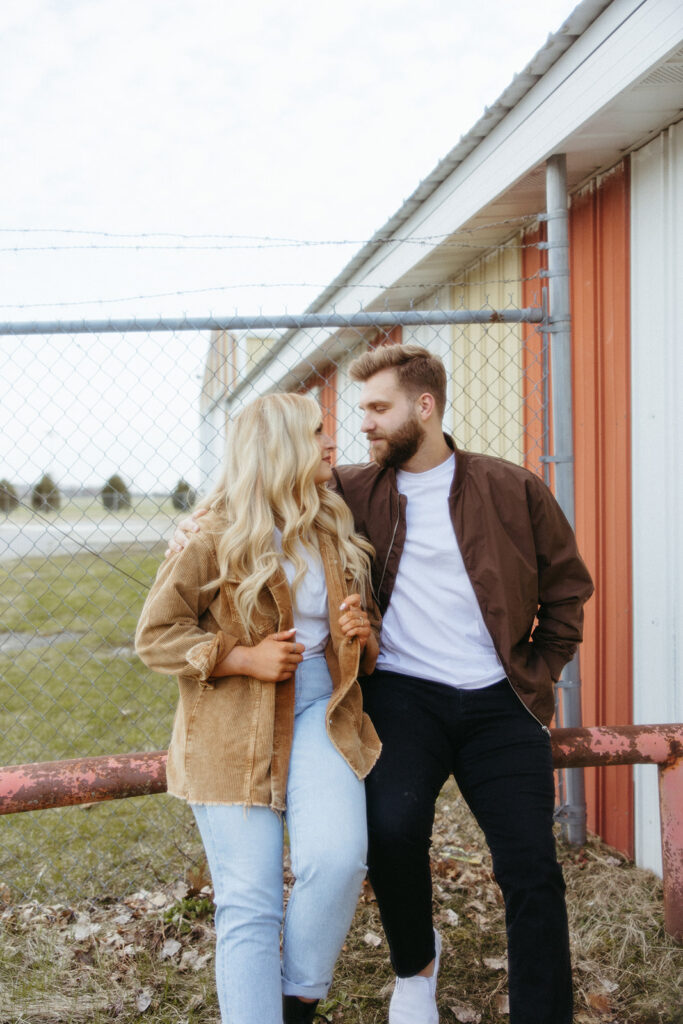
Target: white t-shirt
[(311, 613), (435, 632)]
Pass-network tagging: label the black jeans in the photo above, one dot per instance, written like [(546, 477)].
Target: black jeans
[(501, 759)]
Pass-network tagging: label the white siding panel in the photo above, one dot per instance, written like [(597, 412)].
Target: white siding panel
[(488, 361), (211, 446), (439, 341), (657, 415)]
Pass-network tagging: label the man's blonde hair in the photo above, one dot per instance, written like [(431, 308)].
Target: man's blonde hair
[(417, 370), (268, 481)]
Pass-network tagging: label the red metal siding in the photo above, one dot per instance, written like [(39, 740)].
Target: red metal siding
[(328, 404), (326, 380), (388, 336), (600, 270)]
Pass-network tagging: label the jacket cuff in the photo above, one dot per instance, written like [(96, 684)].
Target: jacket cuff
[(554, 661), (205, 655)]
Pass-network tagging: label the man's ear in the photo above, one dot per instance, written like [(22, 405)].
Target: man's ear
[(426, 406)]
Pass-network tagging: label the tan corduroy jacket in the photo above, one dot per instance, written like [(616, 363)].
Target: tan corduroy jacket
[(232, 736)]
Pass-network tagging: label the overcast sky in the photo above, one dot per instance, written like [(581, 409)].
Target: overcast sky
[(272, 119)]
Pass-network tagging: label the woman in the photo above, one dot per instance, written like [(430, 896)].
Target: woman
[(261, 617)]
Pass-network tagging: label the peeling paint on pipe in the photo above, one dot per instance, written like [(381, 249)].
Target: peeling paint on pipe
[(671, 813), (38, 786), (622, 744)]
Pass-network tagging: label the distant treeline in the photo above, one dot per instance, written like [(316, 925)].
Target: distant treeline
[(46, 496)]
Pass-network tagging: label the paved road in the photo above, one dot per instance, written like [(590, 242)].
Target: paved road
[(61, 538)]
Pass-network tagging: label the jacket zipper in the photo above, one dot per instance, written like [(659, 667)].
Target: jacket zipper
[(545, 728), (386, 560)]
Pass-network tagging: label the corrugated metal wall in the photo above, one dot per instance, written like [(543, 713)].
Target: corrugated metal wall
[(488, 366), (657, 369), (600, 290), (323, 386), (441, 341)]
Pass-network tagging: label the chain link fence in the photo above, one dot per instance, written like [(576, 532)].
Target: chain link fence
[(110, 431)]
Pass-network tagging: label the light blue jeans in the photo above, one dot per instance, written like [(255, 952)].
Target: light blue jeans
[(328, 843)]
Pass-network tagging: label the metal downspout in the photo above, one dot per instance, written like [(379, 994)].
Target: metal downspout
[(572, 814)]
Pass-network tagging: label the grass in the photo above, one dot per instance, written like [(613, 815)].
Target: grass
[(104, 914), (83, 692), (147, 955)]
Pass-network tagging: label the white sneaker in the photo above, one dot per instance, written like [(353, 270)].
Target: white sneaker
[(414, 999)]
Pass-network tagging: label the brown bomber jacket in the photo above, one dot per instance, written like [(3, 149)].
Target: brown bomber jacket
[(232, 736), (519, 551)]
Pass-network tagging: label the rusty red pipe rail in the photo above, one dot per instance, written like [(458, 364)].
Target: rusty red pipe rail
[(38, 786), (641, 744), (617, 744), (83, 780)]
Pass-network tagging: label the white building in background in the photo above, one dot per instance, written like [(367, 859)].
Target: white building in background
[(232, 358)]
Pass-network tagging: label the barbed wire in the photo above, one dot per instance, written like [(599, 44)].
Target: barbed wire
[(180, 293), (259, 246), (509, 221)]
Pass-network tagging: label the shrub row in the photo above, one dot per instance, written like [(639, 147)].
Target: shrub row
[(46, 497)]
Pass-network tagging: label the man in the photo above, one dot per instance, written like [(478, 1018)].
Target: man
[(470, 551), (481, 588)]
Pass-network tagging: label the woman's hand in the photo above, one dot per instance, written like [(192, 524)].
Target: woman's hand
[(183, 531), (354, 620), (273, 660)]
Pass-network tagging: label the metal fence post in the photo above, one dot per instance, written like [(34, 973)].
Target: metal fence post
[(573, 814)]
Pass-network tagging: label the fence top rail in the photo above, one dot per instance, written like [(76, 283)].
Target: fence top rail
[(408, 318)]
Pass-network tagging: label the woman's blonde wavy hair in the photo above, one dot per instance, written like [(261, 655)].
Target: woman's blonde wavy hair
[(271, 459)]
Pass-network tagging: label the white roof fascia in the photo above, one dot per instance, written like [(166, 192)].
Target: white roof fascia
[(553, 97)]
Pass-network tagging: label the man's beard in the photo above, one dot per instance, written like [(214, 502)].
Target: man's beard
[(401, 445)]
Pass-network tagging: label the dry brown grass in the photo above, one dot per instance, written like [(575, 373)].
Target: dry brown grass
[(148, 957)]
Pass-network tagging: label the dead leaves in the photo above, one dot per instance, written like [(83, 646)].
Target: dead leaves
[(143, 1000), (495, 963), (464, 1013), (112, 957), (121, 950), (599, 999), (192, 960), (501, 1003), (449, 917), (169, 949)]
